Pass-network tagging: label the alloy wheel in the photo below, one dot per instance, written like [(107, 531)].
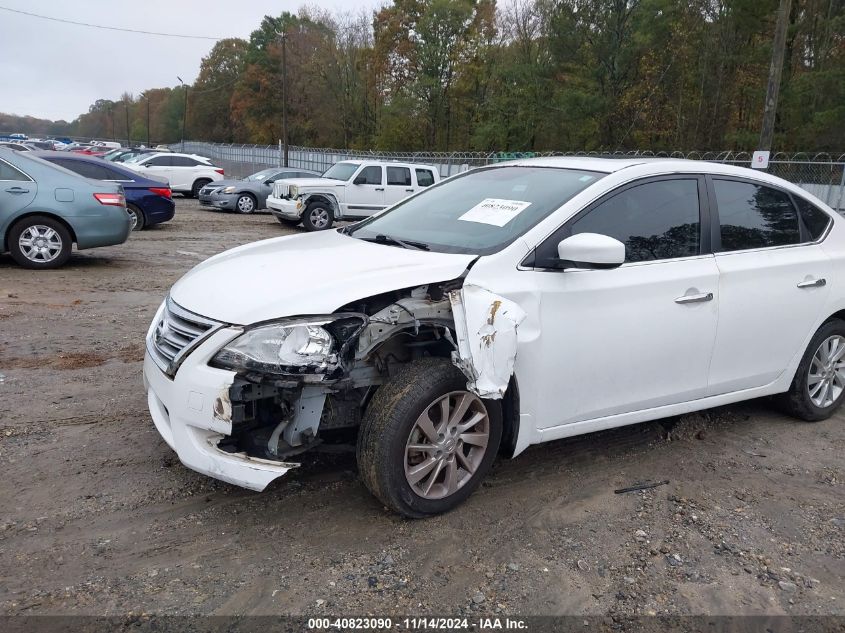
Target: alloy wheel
[(446, 445), (319, 217), (826, 376), (133, 217), (40, 243)]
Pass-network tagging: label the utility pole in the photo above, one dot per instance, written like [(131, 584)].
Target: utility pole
[(148, 120), (283, 37), (778, 49), (184, 111), (128, 138)]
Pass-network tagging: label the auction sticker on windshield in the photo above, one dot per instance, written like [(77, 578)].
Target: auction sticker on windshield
[(495, 211)]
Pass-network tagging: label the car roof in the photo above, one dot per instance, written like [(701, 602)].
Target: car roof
[(163, 153)]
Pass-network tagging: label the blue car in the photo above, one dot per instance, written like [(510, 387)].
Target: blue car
[(148, 200), (45, 209)]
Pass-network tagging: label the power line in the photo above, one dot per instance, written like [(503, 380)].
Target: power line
[(109, 28)]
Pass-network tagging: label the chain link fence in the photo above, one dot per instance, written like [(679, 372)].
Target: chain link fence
[(823, 175)]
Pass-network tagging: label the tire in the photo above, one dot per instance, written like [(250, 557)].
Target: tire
[(288, 223), (139, 222), (56, 239), (199, 184), (807, 398), (390, 425), (245, 203), (318, 216)]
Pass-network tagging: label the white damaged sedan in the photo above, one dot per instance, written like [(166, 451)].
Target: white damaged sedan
[(507, 306)]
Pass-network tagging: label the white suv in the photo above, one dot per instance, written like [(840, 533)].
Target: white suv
[(349, 189), (186, 173)]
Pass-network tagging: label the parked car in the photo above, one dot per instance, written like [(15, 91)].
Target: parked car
[(249, 194), (349, 189), (122, 154), (186, 173), (506, 306), (148, 200), (93, 150), (45, 208), (19, 147)]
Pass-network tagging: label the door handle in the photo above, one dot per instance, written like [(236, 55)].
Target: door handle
[(813, 283), (379, 188), (411, 190), (704, 296), (16, 190)]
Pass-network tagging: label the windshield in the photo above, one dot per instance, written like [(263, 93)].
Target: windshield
[(261, 175), (480, 212), (137, 158), (341, 171)]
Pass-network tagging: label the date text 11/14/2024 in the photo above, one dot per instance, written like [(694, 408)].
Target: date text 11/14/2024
[(417, 624)]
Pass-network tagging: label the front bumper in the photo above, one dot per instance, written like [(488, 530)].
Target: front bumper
[(218, 200), (192, 413), (285, 208)]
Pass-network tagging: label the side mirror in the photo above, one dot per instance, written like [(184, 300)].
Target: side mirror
[(591, 250), (269, 182)]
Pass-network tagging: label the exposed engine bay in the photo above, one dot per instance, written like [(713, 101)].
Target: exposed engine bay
[(275, 415)]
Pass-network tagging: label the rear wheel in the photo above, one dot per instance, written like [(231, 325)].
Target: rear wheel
[(426, 442), (318, 216), (245, 203), (40, 242), (199, 184), (136, 217), (818, 388)]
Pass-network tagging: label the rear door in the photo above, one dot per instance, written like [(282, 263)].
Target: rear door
[(365, 195), (17, 191), (772, 283), (183, 172), (160, 167), (399, 184)]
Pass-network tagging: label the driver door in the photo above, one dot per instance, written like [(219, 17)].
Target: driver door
[(365, 196), (635, 337)]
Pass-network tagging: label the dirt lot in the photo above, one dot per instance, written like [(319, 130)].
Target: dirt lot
[(99, 517)]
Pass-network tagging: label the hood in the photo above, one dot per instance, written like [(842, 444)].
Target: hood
[(312, 182), (314, 273), (218, 184)]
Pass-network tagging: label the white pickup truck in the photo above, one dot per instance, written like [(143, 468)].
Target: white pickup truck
[(349, 189)]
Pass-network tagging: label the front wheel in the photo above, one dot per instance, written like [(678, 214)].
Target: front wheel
[(426, 442), (818, 388), (245, 203), (318, 216)]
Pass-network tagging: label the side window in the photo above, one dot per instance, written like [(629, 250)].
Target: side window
[(369, 175), (183, 161), (425, 178), (399, 176), (8, 172), (814, 218), (113, 174), (84, 169), (160, 161), (754, 216), (656, 220)]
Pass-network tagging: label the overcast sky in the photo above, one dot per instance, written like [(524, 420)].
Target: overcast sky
[(55, 71)]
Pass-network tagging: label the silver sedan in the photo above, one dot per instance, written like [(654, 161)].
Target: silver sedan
[(250, 194)]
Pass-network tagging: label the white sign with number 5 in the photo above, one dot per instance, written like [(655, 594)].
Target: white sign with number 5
[(760, 160)]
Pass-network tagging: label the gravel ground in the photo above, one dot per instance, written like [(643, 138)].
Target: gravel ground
[(99, 517)]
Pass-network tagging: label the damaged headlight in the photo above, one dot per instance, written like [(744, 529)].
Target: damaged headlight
[(293, 191), (280, 348)]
